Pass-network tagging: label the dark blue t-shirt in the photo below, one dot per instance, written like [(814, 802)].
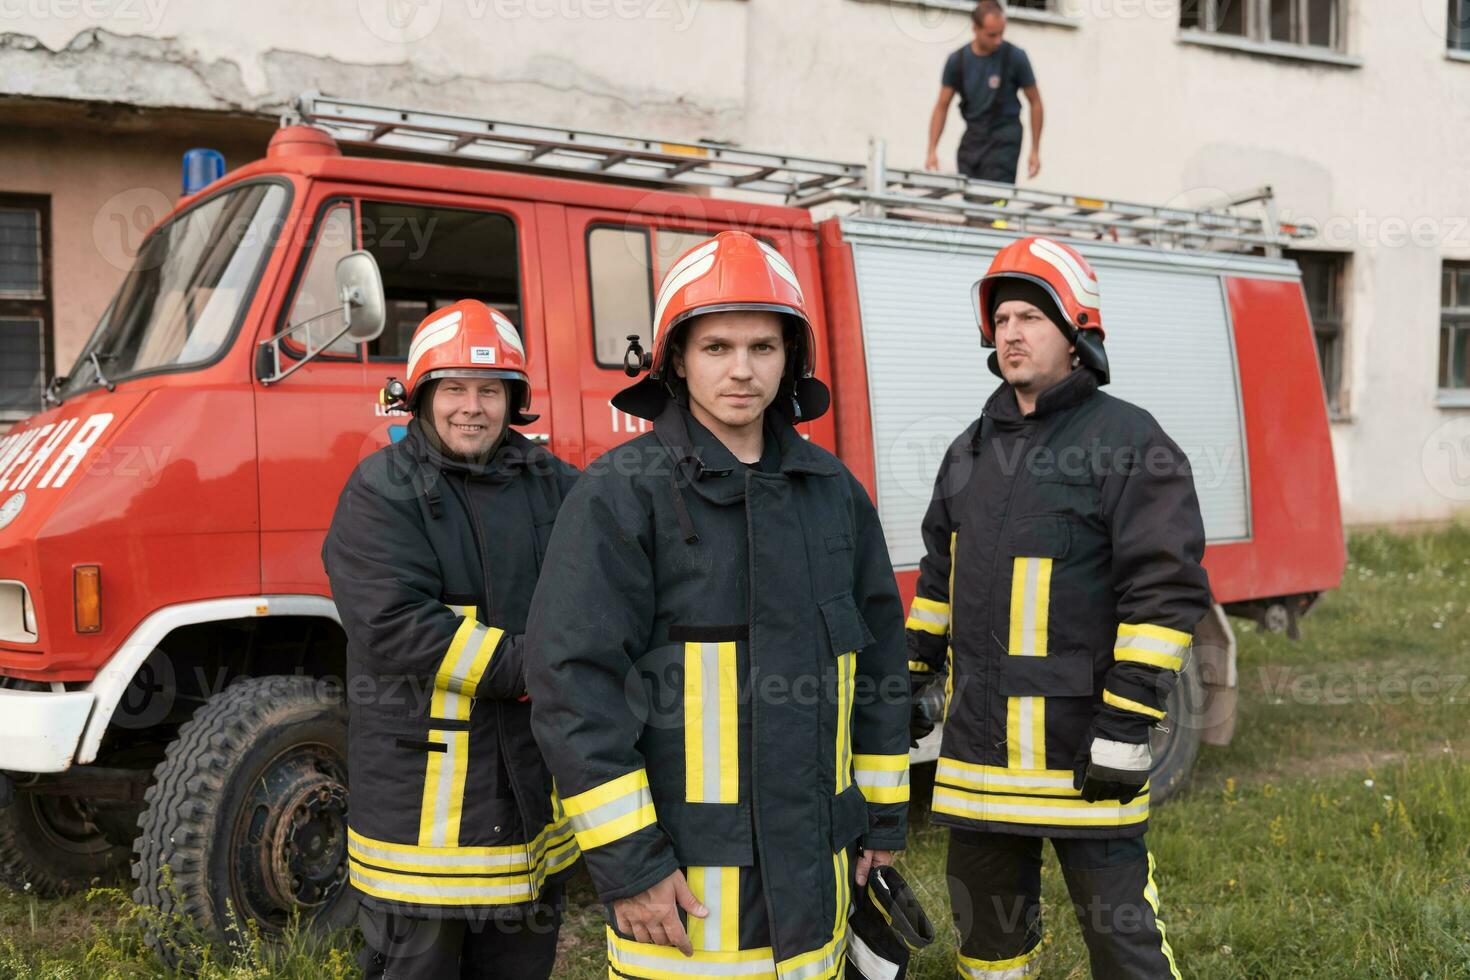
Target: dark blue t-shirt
[(977, 79)]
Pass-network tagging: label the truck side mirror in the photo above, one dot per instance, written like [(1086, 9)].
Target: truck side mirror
[(363, 310), (360, 287)]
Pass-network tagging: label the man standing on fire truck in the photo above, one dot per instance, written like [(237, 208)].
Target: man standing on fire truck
[(1060, 587), (716, 652), (456, 839)]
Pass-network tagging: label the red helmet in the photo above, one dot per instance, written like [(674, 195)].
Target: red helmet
[(732, 271), (1067, 278), (470, 340)]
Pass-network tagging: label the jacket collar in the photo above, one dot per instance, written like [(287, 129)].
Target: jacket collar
[(511, 454), (1072, 390), (713, 470)]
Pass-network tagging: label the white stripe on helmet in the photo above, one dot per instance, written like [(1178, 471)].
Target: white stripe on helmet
[(1083, 286), (691, 267), (431, 335), (507, 331), (782, 268)]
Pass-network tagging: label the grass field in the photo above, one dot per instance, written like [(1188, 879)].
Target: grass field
[(1331, 840)]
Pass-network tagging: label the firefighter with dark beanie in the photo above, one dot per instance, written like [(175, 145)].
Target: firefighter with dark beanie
[(716, 649), (456, 842), (1059, 590)]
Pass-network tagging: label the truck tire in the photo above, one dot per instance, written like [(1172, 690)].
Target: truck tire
[(1175, 751), (246, 821), (50, 847)]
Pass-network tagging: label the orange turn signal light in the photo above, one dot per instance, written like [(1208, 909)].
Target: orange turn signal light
[(87, 597)]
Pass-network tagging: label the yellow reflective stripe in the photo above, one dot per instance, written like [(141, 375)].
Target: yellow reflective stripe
[(1015, 968), (846, 672), (882, 778), (919, 667), (824, 963), (711, 723), (444, 781), (1156, 646), (1164, 633), (1127, 704), (719, 889), (612, 811), (1151, 895), (1026, 716), (647, 961), (453, 890), (1164, 660), (1038, 810), (954, 540), (1000, 779), (929, 616)]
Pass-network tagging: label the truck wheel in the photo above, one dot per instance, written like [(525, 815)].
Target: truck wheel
[(246, 822), (1174, 751), (50, 847)]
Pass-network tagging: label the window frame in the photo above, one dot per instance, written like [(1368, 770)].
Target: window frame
[(289, 346), (1457, 29), (647, 231), (1256, 37), (34, 306), (1455, 318)]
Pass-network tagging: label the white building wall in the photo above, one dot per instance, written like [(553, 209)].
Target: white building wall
[(1374, 150)]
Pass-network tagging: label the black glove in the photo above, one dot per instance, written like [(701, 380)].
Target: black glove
[(926, 705), (1109, 770)]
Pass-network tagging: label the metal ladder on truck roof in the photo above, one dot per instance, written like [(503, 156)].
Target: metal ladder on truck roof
[(872, 188)]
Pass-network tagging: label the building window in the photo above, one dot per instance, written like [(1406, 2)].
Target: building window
[(1454, 327), (1459, 26), (1309, 23), (1323, 276), (25, 305), (1031, 5)]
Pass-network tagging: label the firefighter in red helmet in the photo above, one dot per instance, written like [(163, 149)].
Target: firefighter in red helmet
[(717, 659), (456, 842), (1059, 589)]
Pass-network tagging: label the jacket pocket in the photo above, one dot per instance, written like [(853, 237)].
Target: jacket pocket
[(707, 835), (846, 629), (849, 817), (1061, 676), (1043, 536)]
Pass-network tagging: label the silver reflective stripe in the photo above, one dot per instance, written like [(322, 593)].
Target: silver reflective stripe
[(713, 899), (456, 683), (622, 806), (1139, 642), (691, 966), (467, 862), (924, 615), (1096, 811), (709, 662), (817, 968), (1030, 968), (875, 778), (872, 966), (423, 889), (1028, 610), (1027, 709), (444, 791), (998, 781)]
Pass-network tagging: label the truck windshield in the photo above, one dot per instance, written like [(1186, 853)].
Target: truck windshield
[(188, 286)]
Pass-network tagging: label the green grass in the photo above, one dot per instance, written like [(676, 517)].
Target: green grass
[(1331, 839)]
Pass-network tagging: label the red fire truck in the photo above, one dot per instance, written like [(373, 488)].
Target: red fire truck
[(170, 657)]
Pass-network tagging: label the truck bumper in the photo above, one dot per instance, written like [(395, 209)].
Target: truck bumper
[(40, 730)]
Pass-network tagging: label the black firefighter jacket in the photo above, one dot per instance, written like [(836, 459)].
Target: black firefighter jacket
[(1061, 583), (724, 691), (433, 564)]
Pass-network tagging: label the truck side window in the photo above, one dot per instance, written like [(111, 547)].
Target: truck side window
[(433, 256), (622, 290), (317, 292)]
